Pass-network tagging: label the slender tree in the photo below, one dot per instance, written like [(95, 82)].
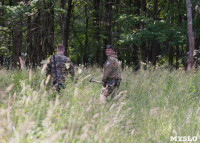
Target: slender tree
[(179, 24), (35, 49), (62, 22), (29, 46), (17, 39), (135, 48), (85, 55), (107, 20), (154, 46), (96, 33), (48, 22), (143, 46), (67, 25), (1, 24), (190, 36), (171, 50)]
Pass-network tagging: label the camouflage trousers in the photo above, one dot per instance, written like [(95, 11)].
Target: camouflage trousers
[(111, 88), (58, 86)]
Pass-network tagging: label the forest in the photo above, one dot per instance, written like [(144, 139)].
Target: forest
[(143, 32), (158, 46)]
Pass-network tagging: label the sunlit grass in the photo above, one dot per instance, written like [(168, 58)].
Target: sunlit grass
[(151, 107)]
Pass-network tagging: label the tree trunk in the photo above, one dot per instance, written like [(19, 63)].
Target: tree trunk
[(177, 57), (117, 26), (135, 57), (96, 25), (190, 36), (17, 44), (144, 6), (171, 56), (197, 43), (62, 22), (1, 24), (149, 51), (135, 51), (179, 24), (29, 41), (51, 22), (135, 48), (85, 56), (17, 41), (171, 51), (107, 26), (35, 53), (154, 52), (143, 56), (154, 42), (143, 46), (128, 54), (67, 25), (155, 9), (49, 29)]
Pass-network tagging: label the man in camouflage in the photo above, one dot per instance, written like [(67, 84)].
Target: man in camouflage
[(63, 67), (111, 75)]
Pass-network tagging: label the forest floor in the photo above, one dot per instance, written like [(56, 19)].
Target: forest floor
[(152, 106)]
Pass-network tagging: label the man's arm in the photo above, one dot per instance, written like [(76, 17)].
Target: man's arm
[(70, 68)]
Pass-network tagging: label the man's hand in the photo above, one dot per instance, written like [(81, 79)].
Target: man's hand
[(103, 83)]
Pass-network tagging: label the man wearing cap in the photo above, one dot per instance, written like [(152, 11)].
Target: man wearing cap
[(58, 67), (111, 75)]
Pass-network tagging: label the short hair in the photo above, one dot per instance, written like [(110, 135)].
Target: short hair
[(61, 47), (110, 47)]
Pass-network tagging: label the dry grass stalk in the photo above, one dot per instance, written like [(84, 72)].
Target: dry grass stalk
[(9, 88), (43, 68), (21, 63), (48, 79), (30, 75)]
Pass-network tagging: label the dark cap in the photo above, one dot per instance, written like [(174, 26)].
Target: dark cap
[(109, 47)]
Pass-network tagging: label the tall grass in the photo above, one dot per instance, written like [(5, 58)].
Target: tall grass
[(151, 107)]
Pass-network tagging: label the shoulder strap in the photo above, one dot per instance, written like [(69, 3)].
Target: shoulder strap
[(54, 62)]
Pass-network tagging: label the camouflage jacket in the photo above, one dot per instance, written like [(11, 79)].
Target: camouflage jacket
[(111, 68), (63, 67)]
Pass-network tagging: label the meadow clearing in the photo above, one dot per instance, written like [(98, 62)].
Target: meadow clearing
[(151, 107)]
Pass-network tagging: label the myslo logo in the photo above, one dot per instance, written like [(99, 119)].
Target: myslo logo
[(183, 138)]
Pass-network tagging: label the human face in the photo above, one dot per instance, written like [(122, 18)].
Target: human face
[(109, 52)]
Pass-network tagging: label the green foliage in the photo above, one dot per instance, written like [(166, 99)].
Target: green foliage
[(4, 52), (161, 30), (4, 37), (132, 23)]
